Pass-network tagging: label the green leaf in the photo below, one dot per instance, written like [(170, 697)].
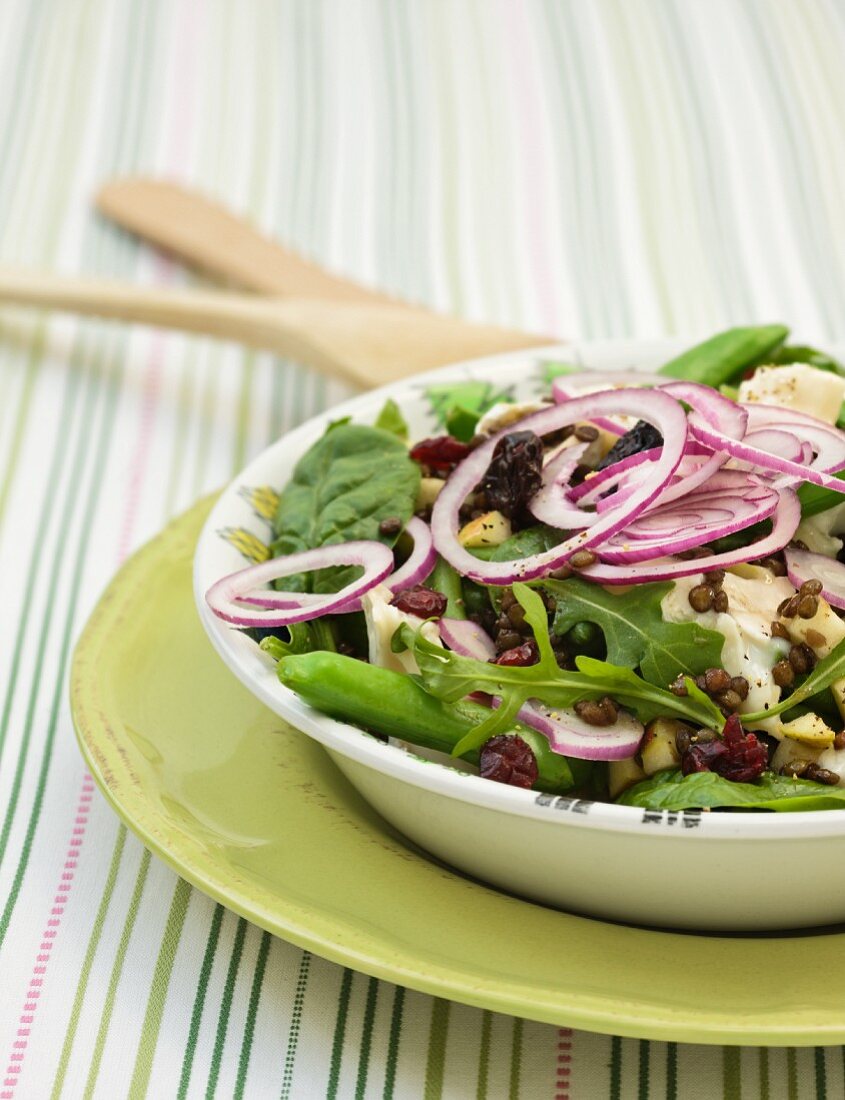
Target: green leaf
[(670, 790), (472, 397), (525, 543), (726, 356), (635, 631), (450, 677), (815, 498), (462, 422), (801, 353), (390, 419), (826, 672), (552, 370), (341, 489)]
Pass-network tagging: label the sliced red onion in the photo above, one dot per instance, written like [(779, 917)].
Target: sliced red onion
[(467, 639), (570, 735), (803, 565), (602, 480), (650, 405), (718, 411), (688, 524), (420, 562), (226, 598), (572, 386), (550, 504), (777, 442), (785, 522)]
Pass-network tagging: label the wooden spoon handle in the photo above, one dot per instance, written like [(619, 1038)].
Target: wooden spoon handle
[(207, 235)]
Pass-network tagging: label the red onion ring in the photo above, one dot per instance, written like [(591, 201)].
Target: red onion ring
[(652, 406), (467, 638), (226, 597), (803, 565), (785, 522)]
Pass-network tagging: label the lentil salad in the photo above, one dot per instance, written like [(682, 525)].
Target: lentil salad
[(625, 592)]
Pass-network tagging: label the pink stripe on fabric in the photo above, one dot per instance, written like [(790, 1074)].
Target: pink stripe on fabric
[(176, 152), (564, 1059)]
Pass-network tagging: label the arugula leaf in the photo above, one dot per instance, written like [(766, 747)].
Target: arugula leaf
[(670, 790), (635, 631), (341, 489), (473, 398), (390, 419), (450, 677), (826, 672)]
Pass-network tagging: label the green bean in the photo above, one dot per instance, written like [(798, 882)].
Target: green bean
[(394, 705), (445, 579), (801, 353), (726, 356)]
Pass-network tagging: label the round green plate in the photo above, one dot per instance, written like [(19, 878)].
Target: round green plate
[(253, 813)]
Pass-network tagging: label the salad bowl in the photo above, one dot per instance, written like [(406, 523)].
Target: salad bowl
[(688, 869)]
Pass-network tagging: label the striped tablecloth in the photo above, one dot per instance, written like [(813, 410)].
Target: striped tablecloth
[(589, 167)]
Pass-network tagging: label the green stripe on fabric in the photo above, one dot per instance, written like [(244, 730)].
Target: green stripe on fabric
[(116, 971), (516, 1059), (295, 1023), (791, 1073), (763, 1064), (339, 1033), (820, 1073), (158, 990), (199, 1001), (393, 1041), (252, 1013), (87, 962), (731, 1073), (484, 1055), (644, 1070), (435, 1066), (366, 1039), (671, 1071), (226, 1007), (615, 1068)]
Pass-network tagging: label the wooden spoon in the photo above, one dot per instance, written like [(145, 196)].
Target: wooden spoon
[(369, 344)]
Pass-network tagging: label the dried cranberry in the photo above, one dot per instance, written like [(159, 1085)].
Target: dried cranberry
[(421, 601), (526, 654), (440, 453), (739, 756), (642, 437), (507, 759), (515, 472)]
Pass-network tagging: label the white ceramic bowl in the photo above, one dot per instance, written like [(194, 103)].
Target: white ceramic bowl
[(685, 870)]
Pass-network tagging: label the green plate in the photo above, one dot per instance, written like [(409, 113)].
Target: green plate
[(254, 813)]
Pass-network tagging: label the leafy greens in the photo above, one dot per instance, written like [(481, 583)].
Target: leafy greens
[(670, 790), (450, 677), (635, 631), (350, 480)]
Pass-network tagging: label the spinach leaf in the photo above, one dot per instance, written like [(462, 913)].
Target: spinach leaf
[(635, 631), (342, 488), (670, 790), (450, 677), (827, 672), (390, 419), (459, 406)]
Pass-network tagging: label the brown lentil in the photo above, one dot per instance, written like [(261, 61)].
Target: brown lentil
[(774, 565), (678, 687), (715, 578), (508, 639), (783, 674), (586, 433), (839, 740), (582, 558), (716, 680), (795, 768), (729, 700), (808, 606), (811, 588), (740, 685), (597, 712), (562, 573), (779, 630), (507, 599), (821, 775), (720, 601), (802, 658), (815, 639), (516, 615), (701, 598), (683, 739), (392, 525), (788, 608)]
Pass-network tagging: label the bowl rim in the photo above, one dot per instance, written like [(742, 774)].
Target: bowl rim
[(404, 765)]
